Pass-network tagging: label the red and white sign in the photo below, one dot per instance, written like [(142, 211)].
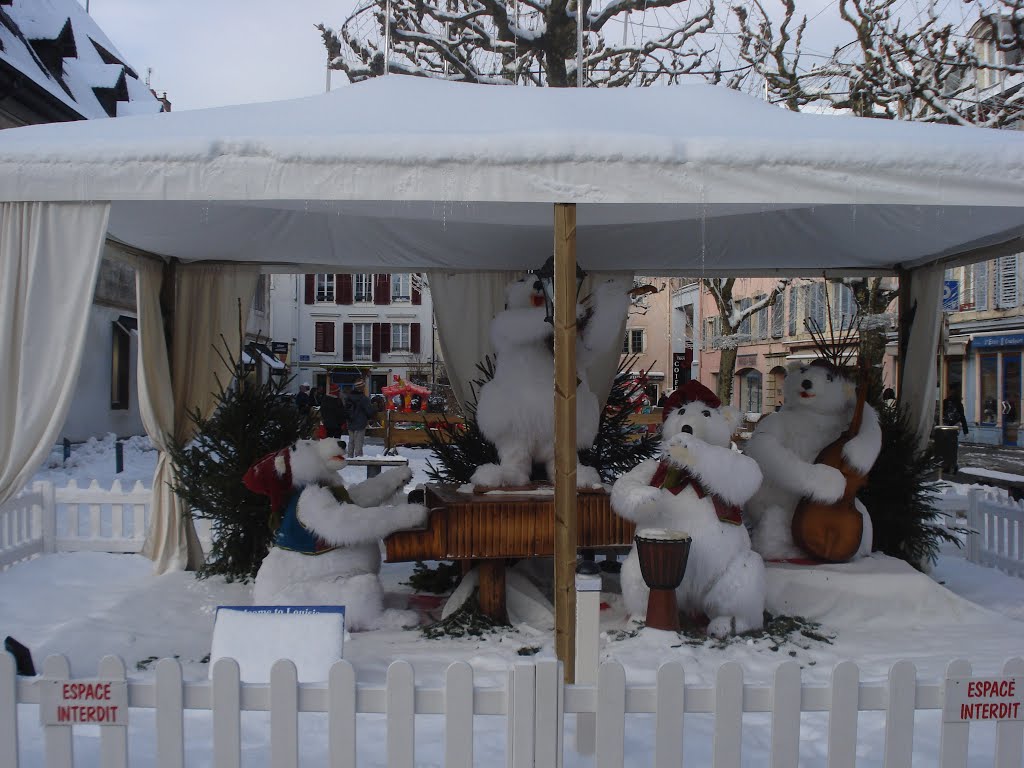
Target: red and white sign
[(81, 702), (984, 698)]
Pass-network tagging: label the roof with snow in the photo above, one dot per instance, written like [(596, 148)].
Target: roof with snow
[(410, 174), (58, 46)]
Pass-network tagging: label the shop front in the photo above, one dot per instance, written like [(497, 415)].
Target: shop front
[(993, 386)]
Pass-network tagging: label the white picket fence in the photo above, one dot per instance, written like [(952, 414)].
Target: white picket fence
[(997, 528), (534, 703), (49, 519)]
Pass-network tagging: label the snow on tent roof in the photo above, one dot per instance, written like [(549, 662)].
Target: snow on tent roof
[(408, 173)]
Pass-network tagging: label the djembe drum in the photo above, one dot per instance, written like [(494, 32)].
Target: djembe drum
[(663, 555)]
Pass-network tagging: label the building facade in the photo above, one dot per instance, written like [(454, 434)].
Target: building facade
[(341, 327), (57, 65), (773, 337), (649, 338)]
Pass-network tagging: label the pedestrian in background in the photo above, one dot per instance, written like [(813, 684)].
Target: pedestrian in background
[(953, 412), (360, 411), (332, 413)]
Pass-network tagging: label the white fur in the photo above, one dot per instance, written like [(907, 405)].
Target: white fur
[(348, 575), (818, 407), (516, 408), (724, 579)]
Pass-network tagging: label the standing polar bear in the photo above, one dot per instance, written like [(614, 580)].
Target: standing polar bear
[(698, 487), (819, 403), (327, 548), (515, 411)]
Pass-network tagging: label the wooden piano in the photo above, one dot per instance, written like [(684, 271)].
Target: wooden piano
[(494, 527)]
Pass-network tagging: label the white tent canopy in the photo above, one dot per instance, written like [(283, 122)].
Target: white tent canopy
[(402, 174), (405, 173)]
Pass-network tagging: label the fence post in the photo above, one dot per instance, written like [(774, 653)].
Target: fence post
[(8, 711), (113, 738), (225, 701), (59, 746), (170, 715), (1010, 733), (974, 522), (588, 607), (48, 517), (458, 716), (899, 717), (284, 714), (954, 736), (522, 691)]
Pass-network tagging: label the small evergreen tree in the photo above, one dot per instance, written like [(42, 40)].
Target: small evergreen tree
[(900, 495), (250, 420)]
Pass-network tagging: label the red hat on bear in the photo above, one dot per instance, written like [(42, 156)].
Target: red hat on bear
[(691, 392), (271, 476)]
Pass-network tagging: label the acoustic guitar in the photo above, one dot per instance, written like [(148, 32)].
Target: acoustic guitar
[(832, 532)]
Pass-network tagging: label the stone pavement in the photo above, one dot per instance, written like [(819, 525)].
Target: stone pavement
[(996, 457)]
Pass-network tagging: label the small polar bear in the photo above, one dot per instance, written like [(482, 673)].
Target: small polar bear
[(698, 487), (515, 410), (819, 403), (327, 548)]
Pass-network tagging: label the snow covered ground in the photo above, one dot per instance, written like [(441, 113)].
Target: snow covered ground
[(87, 605)]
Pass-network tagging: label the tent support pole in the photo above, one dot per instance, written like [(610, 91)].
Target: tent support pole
[(903, 327), (168, 297), (565, 437)]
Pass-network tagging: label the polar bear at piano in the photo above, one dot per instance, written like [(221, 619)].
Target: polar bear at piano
[(697, 487)]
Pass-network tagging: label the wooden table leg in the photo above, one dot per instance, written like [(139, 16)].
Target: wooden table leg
[(492, 590)]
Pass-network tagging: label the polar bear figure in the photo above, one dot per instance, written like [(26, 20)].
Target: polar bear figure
[(515, 410), (698, 487), (818, 405), (327, 548)]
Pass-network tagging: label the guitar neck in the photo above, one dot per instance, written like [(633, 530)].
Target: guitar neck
[(858, 410)]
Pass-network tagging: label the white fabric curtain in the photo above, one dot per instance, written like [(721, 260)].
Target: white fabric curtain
[(917, 382), (49, 259), (464, 305), (206, 307)]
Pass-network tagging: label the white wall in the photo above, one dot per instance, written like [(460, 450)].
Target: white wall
[(91, 414)]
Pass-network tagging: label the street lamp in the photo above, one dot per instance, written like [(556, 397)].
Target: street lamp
[(546, 282)]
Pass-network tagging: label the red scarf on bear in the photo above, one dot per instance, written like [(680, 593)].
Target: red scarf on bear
[(674, 479)]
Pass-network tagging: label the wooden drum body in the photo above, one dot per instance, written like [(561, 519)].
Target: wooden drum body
[(662, 555)]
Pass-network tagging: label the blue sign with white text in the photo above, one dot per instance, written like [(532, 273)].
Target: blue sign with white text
[(1011, 340), (951, 296)]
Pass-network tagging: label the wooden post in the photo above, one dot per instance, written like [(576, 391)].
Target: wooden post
[(565, 438), (492, 589)]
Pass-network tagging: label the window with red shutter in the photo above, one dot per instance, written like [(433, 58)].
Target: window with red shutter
[(414, 338), (344, 289), (310, 288), (382, 289), (323, 337), (385, 338), (346, 341), (417, 294), (375, 349)]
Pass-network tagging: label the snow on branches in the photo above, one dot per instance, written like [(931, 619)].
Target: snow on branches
[(625, 42), (914, 65)]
